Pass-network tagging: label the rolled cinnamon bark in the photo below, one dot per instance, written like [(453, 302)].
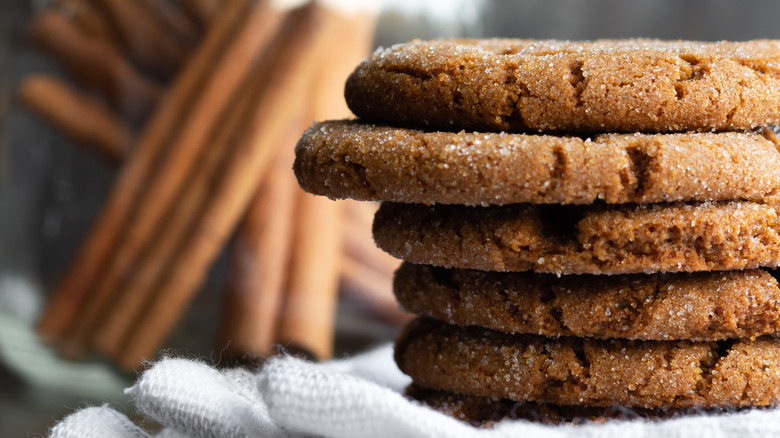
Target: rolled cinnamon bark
[(83, 119), (309, 311), (372, 291), (173, 21), (90, 20), (147, 42), (358, 240), (367, 272), (130, 292), (276, 100), (72, 291), (97, 64), (260, 258), (199, 11), (125, 295), (175, 171)]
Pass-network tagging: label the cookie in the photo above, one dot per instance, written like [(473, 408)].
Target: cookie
[(349, 159), (598, 86), (588, 372), (595, 239), (486, 412), (699, 306)]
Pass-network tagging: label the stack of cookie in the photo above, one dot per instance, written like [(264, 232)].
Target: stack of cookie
[(582, 224)]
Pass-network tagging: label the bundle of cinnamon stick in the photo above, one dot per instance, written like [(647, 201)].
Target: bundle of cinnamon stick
[(202, 124)]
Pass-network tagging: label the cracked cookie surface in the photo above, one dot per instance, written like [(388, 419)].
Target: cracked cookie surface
[(546, 85), (593, 239), (700, 306), (350, 159), (588, 372)]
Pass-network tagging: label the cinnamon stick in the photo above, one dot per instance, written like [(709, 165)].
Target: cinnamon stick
[(128, 297), (372, 290), (173, 21), (72, 291), (351, 38), (367, 272), (90, 20), (259, 261), (165, 185), (252, 302), (283, 72), (125, 297), (199, 11), (308, 315), (97, 64), (359, 241), (147, 43), (83, 119)]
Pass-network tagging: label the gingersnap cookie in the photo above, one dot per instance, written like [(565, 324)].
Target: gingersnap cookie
[(486, 412), (596, 86), (350, 159), (589, 372), (698, 306), (593, 239)]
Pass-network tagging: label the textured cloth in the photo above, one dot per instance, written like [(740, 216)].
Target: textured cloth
[(355, 397)]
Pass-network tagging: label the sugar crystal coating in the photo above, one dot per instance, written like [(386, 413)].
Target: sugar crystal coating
[(589, 372), (371, 162), (598, 86), (700, 306), (689, 202), (593, 239)]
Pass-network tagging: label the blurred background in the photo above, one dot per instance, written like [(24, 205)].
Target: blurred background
[(83, 83)]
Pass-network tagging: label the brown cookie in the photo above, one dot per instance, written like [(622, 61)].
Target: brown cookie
[(349, 159), (588, 372), (592, 239), (598, 86), (699, 306), (485, 412)]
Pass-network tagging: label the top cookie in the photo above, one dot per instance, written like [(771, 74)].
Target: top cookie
[(604, 85)]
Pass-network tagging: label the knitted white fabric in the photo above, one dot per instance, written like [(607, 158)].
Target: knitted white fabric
[(355, 397), (96, 422)]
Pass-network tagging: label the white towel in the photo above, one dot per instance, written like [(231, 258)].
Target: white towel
[(354, 397)]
